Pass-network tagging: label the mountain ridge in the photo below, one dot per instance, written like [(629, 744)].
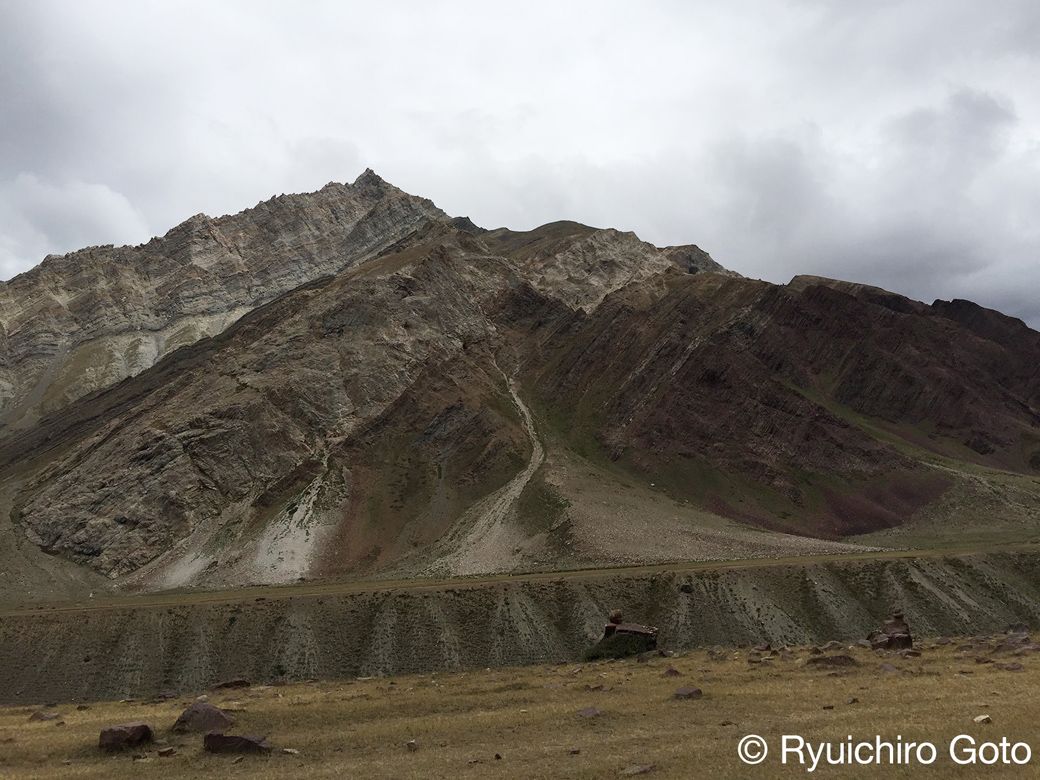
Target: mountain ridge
[(367, 417)]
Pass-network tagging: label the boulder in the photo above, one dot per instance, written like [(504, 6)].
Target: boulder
[(216, 742), (621, 640), (124, 735), (894, 634), (203, 716)]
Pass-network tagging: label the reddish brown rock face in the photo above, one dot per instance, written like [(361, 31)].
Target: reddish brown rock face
[(730, 389)]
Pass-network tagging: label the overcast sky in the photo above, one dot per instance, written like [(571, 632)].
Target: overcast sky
[(895, 143)]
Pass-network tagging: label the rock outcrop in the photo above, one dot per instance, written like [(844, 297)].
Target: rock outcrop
[(82, 322), (894, 634)]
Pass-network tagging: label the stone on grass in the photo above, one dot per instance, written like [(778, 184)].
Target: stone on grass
[(124, 735), (235, 743), (203, 717), (1014, 666), (832, 661), (638, 769), (687, 692)]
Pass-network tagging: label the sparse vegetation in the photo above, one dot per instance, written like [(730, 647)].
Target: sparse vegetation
[(529, 716)]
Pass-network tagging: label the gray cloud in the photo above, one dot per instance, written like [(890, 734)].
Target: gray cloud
[(891, 143)]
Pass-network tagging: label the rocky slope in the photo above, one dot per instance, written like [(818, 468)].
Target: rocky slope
[(116, 652), (401, 393), (83, 321)]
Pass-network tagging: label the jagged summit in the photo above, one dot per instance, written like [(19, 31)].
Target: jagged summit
[(119, 309), (369, 178)]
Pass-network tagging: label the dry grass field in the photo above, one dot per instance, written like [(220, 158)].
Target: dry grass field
[(525, 722)]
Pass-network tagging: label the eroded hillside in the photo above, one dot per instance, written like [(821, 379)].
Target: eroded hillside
[(404, 394)]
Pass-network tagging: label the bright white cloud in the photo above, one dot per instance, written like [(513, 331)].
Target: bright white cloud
[(893, 143), (39, 217)]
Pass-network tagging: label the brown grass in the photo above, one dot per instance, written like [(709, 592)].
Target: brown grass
[(529, 717)]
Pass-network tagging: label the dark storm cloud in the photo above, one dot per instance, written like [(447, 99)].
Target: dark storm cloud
[(892, 143)]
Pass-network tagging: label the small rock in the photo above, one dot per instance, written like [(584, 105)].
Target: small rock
[(828, 706), (203, 717), (412, 745), (852, 700), (671, 671), (888, 668), (124, 735), (574, 751), (1014, 666), (687, 692), (983, 719), (638, 769), (498, 756), (40, 715), (727, 723), (832, 661), (235, 743), (291, 751), (82, 707), (166, 752), (590, 712)]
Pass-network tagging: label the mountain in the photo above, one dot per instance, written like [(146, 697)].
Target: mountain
[(352, 383)]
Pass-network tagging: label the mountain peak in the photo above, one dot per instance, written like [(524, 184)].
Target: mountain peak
[(370, 178)]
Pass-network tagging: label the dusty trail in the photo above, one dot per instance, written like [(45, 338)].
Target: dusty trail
[(484, 539), (434, 584)]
